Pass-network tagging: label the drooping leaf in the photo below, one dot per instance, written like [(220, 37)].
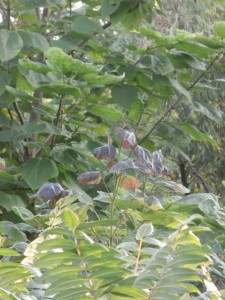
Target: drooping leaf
[(37, 171), (174, 186), (52, 89), (34, 66)]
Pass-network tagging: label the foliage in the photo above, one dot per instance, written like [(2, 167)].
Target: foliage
[(114, 222)]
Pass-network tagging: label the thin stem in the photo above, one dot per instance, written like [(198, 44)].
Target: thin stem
[(113, 207), (138, 256), (58, 114), (85, 269)]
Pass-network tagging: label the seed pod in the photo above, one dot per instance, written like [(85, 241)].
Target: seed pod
[(89, 178), (143, 154), (122, 165), (48, 191), (2, 164), (157, 162), (104, 152), (128, 139), (142, 166)]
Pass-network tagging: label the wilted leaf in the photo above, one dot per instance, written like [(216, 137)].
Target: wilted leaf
[(89, 178), (105, 152), (128, 182), (48, 191)]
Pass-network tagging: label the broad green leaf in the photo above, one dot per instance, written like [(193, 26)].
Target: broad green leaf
[(70, 219), (85, 25), (106, 112), (186, 60), (219, 29), (10, 44), (100, 223), (210, 111), (56, 243), (9, 229), (8, 252), (159, 64), (54, 259), (106, 79), (34, 66), (5, 80), (34, 39), (31, 4), (37, 221), (7, 201), (37, 171), (124, 95), (160, 38), (52, 89), (58, 58), (144, 231), (109, 7), (20, 94), (134, 292)]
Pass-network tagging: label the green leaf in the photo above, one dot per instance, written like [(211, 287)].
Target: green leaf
[(34, 66), (58, 58), (196, 134), (37, 171), (134, 292), (179, 88), (20, 94), (124, 95), (8, 252), (84, 25), (187, 60), (144, 231), (34, 39), (10, 44), (9, 229), (7, 201), (108, 7), (52, 89), (106, 79), (219, 29), (106, 112), (37, 221), (70, 219), (171, 185)]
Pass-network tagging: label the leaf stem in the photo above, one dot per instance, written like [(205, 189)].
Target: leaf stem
[(138, 256)]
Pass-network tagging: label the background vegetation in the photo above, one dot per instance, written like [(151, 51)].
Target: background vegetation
[(112, 149)]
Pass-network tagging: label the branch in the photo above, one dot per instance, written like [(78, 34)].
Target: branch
[(179, 98), (45, 13)]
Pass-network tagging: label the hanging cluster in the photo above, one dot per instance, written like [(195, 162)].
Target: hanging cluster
[(144, 162)]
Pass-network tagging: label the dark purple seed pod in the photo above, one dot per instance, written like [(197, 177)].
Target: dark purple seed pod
[(143, 154), (90, 177), (128, 139), (157, 162), (105, 152), (48, 191)]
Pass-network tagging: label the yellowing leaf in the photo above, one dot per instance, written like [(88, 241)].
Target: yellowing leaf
[(128, 182)]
